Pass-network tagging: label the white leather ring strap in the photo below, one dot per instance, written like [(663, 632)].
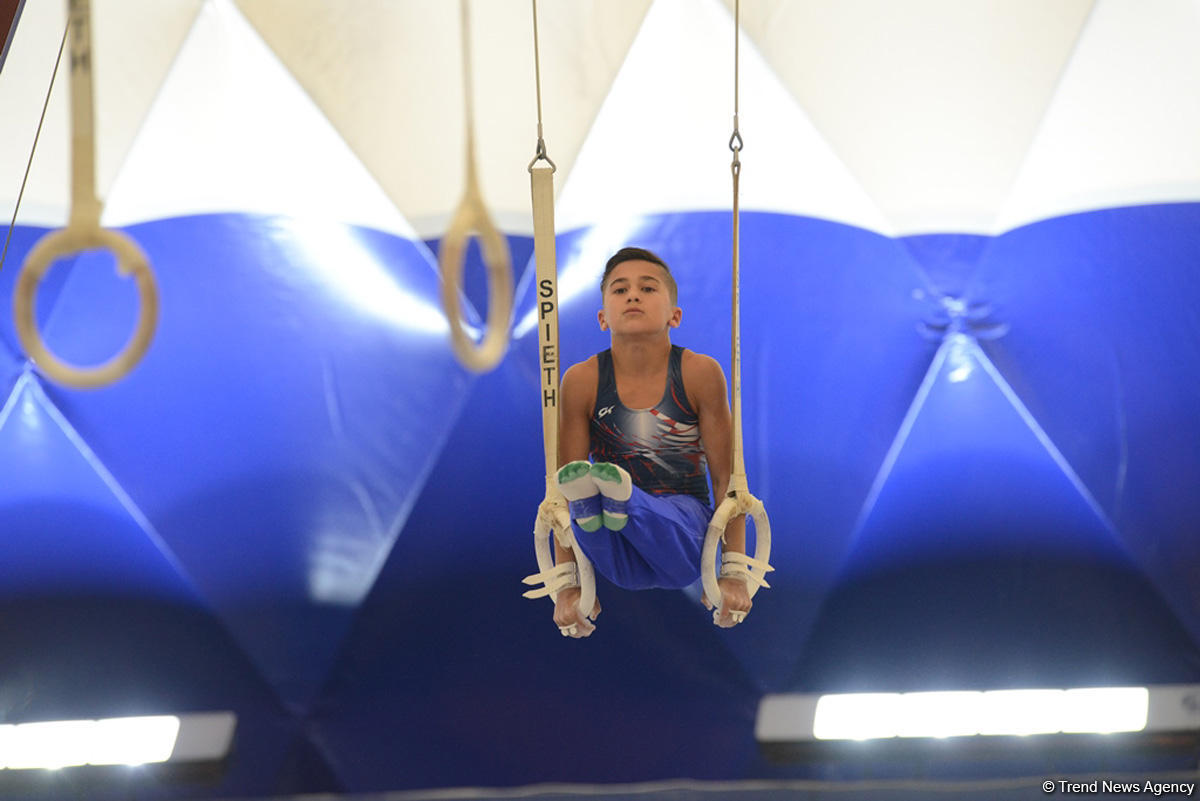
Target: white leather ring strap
[(756, 566), (738, 565), (541, 185), (473, 217), (130, 261), (553, 581)]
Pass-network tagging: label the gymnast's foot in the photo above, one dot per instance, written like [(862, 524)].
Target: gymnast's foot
[(576, 484), (615, 487)]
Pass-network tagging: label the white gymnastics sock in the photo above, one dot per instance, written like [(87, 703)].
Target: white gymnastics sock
[(576, 484), (615, 487)]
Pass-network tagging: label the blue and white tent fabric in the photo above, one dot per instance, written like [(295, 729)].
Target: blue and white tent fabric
[(971, 268)]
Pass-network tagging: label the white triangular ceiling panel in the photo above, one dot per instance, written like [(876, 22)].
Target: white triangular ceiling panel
[(231, 131), (388, 74), (660, 142), (931, 104), (133, 44), (1124, 127)]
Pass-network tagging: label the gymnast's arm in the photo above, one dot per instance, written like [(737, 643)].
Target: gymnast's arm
[(576, 400), (705, 383)]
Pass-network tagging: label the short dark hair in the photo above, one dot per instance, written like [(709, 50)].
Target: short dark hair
[(639, 254)]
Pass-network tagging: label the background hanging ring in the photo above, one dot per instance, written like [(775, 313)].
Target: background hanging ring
[(130, 260), (472, 216)]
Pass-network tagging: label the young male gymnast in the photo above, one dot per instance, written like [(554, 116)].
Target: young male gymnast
[(655, 420)]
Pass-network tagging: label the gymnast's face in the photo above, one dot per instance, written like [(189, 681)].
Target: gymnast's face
[(637, 300)]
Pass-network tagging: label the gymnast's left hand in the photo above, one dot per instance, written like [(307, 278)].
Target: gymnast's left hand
[(735, 602)]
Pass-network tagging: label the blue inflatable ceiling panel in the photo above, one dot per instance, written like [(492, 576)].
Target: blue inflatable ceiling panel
[(251, 434), (340, 515)]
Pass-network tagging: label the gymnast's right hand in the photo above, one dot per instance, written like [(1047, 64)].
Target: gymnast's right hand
[(570, 621)]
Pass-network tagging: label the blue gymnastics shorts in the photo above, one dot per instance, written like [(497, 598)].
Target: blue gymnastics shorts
[(658, 548)]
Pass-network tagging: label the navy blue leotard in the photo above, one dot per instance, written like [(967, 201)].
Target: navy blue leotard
[(659, 446), (668, 512)]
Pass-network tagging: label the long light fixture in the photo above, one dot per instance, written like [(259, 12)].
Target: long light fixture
[(116, 741), (797, 718)]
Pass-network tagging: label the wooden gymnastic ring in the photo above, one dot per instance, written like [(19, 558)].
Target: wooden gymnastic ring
[(741, 503), (130, 260), (471, 216)]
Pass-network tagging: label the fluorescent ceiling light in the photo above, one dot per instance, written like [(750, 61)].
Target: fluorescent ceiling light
[(945, 714), (1020, 712), (861, 716), (115, 741), (63, 743), (874, 716), (1104, 711)]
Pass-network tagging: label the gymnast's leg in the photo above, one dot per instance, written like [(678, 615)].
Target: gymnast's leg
[(647, 541)]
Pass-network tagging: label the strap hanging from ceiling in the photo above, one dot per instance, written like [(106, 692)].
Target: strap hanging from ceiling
[(472, 216), (82, 233), (552, 515), (738, 500)]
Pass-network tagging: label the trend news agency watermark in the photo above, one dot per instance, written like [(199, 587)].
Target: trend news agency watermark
[(1105, 786)]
